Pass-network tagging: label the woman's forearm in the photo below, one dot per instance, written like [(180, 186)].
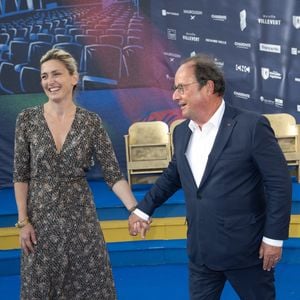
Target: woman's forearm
[(21, 192), (122, 189)]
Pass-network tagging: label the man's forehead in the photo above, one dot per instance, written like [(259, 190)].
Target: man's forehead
[(185, 70)]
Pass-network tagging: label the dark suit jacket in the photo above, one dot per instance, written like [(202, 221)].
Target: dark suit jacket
[(245, 192)]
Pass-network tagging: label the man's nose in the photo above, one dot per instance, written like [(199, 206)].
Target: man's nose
[(175, 95)]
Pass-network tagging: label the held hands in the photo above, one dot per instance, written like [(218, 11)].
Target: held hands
[(137, 225), (271, 255), (27, 238)]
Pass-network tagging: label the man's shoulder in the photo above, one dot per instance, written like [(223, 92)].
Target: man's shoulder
[(238, 112)]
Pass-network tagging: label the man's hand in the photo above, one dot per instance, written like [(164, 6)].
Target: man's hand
[(138, 225), (271, 255)]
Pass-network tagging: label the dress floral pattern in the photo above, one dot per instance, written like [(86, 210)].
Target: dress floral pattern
[(70, 260)]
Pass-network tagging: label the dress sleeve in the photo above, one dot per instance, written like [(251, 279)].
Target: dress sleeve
[(21, 172), (105, 154)]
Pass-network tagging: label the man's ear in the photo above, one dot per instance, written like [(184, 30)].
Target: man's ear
[(210, 87)]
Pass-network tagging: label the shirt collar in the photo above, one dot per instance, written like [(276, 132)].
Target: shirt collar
[(215, 120)]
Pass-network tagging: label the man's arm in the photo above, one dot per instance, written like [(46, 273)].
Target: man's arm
[(165, 186), (271, 162)]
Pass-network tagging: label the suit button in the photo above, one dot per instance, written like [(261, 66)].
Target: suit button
[(199, 196)]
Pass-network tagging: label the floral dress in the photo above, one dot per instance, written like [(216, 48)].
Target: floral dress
[(70, 260)]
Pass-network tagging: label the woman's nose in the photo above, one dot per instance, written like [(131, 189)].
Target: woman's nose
[(50, 79)]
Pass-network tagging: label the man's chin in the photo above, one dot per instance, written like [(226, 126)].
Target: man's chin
[(184, 114)]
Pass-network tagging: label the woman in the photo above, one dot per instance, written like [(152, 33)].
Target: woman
[(64, 254)]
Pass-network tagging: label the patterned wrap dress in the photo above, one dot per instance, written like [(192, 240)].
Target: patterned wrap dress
[(70, 260)]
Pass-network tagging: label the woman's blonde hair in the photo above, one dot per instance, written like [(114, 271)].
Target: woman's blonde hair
[(63, 56)]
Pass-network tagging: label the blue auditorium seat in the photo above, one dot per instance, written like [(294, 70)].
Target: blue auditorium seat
[(75, 49), (9, 77), (63, 38), (36, 50), (112, 39), (30, 79), (102, 66), (86, 39)]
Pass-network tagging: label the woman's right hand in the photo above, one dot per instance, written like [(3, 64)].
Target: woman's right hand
[(27, 238)]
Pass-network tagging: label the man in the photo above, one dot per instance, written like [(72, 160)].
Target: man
[(236, 184)]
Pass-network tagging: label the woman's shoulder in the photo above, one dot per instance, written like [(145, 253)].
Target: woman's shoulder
[(29, 112), (87, 114)]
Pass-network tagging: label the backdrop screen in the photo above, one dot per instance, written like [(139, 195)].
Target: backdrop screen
[(128, 52)]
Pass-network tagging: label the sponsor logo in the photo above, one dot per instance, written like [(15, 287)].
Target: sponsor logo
[(164, 13), (241, 95), (269, 20), (190, 37), (171, 33), (242, 45), (270, 48), (266, 74), (193, 13), (276, 102), (267, 101), (219, 63), (243, 21), (295, 51), (221, 18), (168, 77), (175, 55), (215, 41), (172, 56), (296, 22), (242, 68)]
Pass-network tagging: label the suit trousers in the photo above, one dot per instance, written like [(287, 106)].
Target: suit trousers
[(251, 283)]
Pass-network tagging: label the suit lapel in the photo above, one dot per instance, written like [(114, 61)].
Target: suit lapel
[(185, 142), (223, 135)]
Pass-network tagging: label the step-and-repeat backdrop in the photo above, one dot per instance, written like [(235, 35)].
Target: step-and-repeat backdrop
[(257, 43), (128, 53)]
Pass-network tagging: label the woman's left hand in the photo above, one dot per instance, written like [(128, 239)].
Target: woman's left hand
[(27, 238)]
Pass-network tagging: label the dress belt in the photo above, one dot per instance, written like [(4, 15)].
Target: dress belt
[(58, 179)]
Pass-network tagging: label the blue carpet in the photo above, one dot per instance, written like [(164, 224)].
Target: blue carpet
[(164, 282)]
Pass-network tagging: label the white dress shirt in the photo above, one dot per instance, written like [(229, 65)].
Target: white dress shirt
[(201, 143)]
